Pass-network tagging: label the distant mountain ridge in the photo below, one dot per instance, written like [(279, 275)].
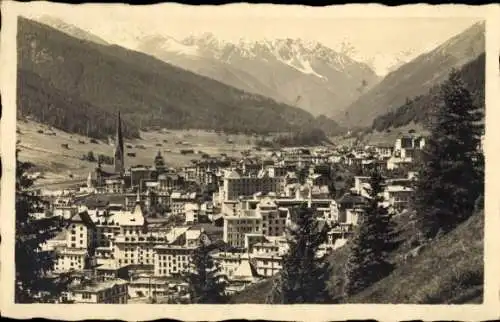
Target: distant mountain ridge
[(418, 110), (147, 91), (415, 77), (71, 30), (301, 73)]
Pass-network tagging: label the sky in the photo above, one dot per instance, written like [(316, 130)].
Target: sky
[(381, 39)]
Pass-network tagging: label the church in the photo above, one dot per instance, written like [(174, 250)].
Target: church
[(120, 179)]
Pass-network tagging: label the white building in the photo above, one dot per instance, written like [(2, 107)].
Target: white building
[(171, 260), (397, 196), (235, 185), (236, 226), (192, 211), (103, 292)]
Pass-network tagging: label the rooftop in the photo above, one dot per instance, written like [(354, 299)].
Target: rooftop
[(100, 286)]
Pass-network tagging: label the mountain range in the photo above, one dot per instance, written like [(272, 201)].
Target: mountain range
[(148, 91), (415, 77), (301, 73), (280, 72)]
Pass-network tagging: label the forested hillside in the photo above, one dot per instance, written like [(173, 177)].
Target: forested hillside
[(38, 99), (146, 90), (416, 77), (419, 109)]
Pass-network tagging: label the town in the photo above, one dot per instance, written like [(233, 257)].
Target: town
[(130, 232)]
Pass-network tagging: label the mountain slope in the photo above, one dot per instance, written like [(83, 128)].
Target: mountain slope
[(40, 100), (448, 270), (416, 77), (418, 109), (147, 91), (304, 74), (71, 30)]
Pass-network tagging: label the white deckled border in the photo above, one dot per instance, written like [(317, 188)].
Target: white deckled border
[(488, 310)]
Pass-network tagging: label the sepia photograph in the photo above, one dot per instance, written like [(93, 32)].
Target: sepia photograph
[(164, 155)]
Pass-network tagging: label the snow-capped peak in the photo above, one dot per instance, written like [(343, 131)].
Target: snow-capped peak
[(169, 44)]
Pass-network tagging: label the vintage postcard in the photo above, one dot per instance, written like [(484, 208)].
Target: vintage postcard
[(250, 161)]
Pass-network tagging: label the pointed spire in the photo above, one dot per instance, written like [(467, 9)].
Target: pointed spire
[(119, 150)]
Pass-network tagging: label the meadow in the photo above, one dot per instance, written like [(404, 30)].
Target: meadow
[(57, 155)]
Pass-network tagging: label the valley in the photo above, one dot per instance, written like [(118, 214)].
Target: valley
[(57, 163)]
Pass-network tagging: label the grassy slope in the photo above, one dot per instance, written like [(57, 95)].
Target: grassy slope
[(448, 271), (46, 152)]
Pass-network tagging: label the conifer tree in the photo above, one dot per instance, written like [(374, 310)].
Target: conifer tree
[(207, 284), (368, 258), (303, 277), (450, 179), (33, 283)]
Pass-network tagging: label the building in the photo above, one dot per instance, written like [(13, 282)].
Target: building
[(170, 260), (192, 212), (273, 219), (398, 197), (267, 258), (114, 185), (150, 287), (229, 262), (138, 175), (237, 226), (384, 150), (179, 200), (113, 291), (234, 185), (70, 259)]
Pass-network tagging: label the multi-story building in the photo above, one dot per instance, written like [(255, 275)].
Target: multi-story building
[(234, 185), (114, 186), (170, 260), (179, 200), (192, 212), (170, 181), (229, 262), (148, 287), (236, 226), (398, 197), (113, 291), (273, 219), (70, 259), (137, 248), (267, 259), (384, 150), (140, 174), (64, 207), (111, 225)]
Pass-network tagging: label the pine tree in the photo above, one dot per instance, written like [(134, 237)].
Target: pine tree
[(32, 283), (450, 179), (207, 284), (303, 278), (368, 258)]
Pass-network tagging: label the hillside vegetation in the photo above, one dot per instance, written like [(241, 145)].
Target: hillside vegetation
[(148, 92), (420, 108), (416, 77), (449, 270), (38, 99)]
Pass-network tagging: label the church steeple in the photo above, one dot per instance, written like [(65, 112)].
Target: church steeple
[(119, 150)]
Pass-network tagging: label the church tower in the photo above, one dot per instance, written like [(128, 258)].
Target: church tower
[(119, 151)]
